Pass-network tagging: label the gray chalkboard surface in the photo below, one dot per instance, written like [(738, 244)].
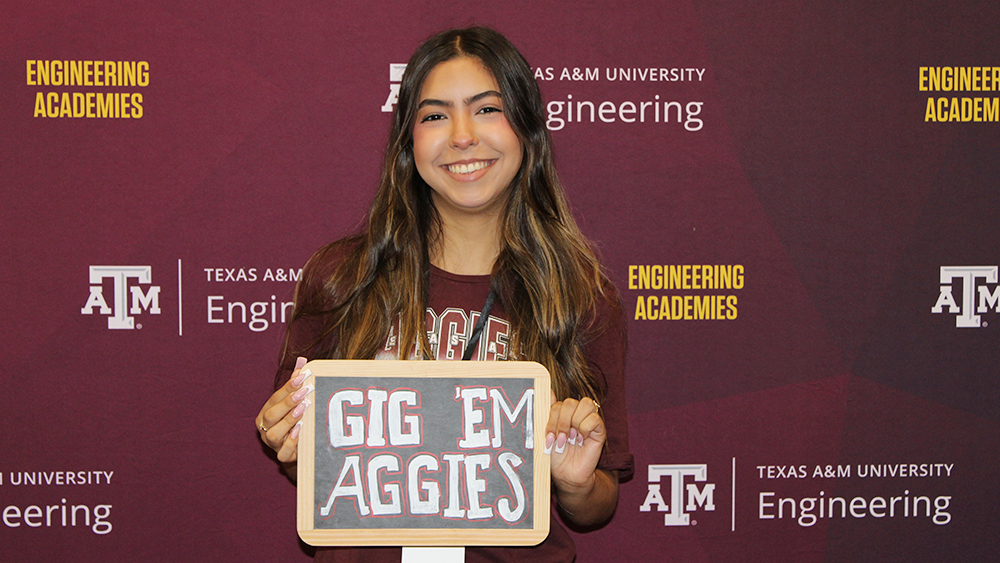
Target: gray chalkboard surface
[(424, 453)]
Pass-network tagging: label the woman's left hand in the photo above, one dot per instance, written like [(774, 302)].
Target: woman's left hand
[(575, 435)]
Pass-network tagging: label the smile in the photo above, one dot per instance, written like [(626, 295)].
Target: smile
[(468, 168)]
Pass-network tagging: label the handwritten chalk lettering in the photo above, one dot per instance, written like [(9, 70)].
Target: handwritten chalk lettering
[(398, 420), (423, 454), (348, 485), (348, 430), (473, 416), (384, 481), (476, 486), (509, 462), (390, 464), (526, 403), (454, 509), (429, 503)]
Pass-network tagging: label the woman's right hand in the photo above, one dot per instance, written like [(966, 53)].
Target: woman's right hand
[(280, 419)]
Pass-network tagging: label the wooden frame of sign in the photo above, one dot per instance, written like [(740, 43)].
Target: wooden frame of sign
[(424, 453)]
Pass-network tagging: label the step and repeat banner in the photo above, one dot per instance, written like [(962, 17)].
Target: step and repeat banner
[(797, 202)]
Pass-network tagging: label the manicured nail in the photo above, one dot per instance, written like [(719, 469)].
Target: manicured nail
[(299, 362), (301, 393), (295, 431), (550, 439), (572, 436), (561, 443), (301, 408), (301, 377)]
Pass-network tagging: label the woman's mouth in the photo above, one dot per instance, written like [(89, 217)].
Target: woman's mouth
[(468, 168)]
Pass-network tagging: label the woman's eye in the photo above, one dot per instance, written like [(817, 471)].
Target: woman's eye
[(491, 109), (432, 117)]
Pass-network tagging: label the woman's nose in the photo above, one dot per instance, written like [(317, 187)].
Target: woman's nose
[(463, 133)]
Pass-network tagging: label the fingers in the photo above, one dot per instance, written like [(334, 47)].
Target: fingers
[(565, 431), (272, 410), (288, 413), (290, 446), (587, 419), (279, 420), (571, 422)]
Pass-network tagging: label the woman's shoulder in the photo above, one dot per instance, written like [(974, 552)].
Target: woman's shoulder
[(322, 268), (608, 302), (606, 320), (325, 261)]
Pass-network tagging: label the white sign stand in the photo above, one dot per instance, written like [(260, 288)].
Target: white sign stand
[(433, 555)]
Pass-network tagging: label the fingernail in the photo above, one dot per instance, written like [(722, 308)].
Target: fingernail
[(550, 439), (299, 362), (295, 431), (301, 377), (301, 393), (561, 443), (301, 408), (572, 436)]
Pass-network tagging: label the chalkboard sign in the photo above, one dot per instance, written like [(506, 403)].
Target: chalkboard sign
[(424, 453)]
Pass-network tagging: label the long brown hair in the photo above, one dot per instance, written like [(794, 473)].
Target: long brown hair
[(546, 275)]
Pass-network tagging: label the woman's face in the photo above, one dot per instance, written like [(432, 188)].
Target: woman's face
[(462, 144)]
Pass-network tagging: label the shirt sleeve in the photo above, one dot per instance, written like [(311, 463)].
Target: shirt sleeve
[(605, 353), (304, 335)]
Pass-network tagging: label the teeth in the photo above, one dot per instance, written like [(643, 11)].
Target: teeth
[(468, 168)]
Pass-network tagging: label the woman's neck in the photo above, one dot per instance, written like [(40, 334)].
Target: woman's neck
[(468, 245)]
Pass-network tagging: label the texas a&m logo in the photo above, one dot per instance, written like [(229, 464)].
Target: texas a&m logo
[(973, 280), (127, 299), (395, 76), (685, 497)]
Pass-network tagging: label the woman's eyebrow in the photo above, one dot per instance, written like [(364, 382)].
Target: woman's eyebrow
[(466, 101), (481, 95)]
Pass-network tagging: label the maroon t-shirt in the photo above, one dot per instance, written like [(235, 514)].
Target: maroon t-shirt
[(454, 304)]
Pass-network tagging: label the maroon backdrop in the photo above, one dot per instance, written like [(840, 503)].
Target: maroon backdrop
[(839, 403)]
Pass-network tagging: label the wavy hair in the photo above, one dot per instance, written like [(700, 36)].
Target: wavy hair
[(546, 275)]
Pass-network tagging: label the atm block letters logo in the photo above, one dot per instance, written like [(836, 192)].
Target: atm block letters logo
[(979, 294), (132, 294), (396, 71), (686, 496)]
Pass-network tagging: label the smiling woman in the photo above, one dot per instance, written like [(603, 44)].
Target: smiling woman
[(470, 222)]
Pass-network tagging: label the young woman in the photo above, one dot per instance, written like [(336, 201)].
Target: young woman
[(470, 220)]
